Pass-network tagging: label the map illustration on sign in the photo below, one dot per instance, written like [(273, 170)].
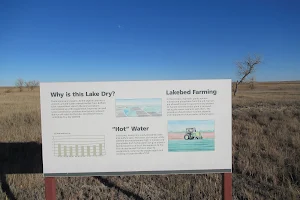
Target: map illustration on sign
[(79, 145), (191, 135), (147, 107)]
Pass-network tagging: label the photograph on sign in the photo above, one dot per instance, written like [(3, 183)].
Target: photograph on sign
[(191, 135), (136, 127)]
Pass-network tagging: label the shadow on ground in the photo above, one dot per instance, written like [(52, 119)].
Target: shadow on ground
[(19, 158), (109, 184), (26, 158)]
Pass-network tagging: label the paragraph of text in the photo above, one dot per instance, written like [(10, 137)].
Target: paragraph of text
[(77, 108), (131, 144), (189, 106)]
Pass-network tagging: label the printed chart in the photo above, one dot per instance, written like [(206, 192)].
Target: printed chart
[(79, 146)]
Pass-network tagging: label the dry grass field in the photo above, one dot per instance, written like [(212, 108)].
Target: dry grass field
[(266, 153)]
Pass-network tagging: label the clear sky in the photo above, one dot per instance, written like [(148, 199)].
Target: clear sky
[(146, 40)]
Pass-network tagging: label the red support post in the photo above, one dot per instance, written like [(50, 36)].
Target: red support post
[(50, 188), (227, 186)]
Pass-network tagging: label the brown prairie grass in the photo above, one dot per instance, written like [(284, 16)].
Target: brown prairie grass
[(266, 149)]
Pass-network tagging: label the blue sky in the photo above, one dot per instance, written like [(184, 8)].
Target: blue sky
[(146, 40), (181, 125)]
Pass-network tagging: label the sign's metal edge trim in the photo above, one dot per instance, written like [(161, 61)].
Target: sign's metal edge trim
[(138, 173)]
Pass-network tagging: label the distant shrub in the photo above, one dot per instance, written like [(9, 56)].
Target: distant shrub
[(9, 90), (20, 84), (32, 84), (252, 83)]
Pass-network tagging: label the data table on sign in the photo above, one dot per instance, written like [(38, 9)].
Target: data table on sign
[(79, 146)]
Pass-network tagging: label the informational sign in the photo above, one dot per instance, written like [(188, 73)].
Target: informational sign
[(136, 127)]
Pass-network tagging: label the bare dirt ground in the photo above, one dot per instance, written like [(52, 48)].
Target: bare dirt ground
[(266, 149)]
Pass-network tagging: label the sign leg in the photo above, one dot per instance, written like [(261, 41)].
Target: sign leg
[(50, 188), (227, 186)]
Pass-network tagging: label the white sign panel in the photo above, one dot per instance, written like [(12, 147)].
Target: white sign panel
[(136, 127)]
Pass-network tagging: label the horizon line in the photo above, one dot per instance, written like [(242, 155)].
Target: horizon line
[(272, 81)]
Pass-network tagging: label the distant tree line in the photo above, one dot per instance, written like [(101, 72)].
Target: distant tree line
[(30, 85)]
